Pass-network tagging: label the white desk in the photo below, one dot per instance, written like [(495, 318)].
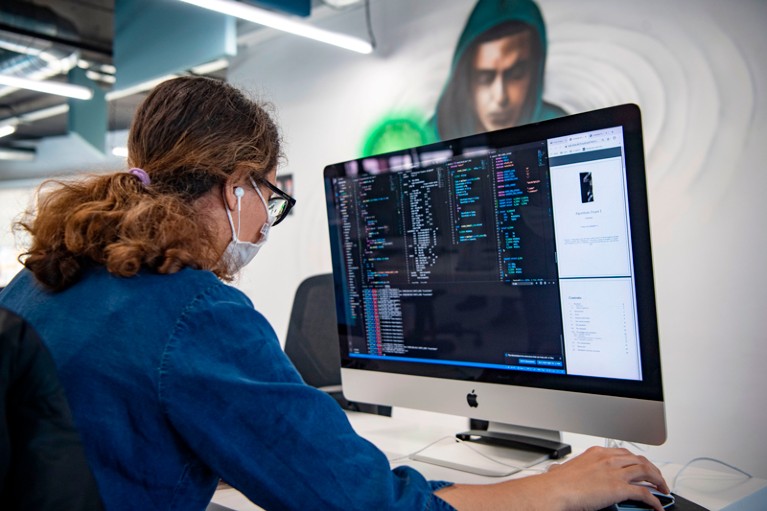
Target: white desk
[(398, 437)]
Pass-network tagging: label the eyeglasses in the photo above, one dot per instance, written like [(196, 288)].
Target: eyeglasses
[(280, 203)]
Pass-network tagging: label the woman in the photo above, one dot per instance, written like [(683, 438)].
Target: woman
[(173, 378)]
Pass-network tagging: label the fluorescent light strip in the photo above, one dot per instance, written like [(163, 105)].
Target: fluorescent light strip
[(44, 113), (211, 67), (29, 50), (141, 87), (16, 154), (99, 77), (60, 89), (7, 129), (120, 151), (53, 111), (279, 22)]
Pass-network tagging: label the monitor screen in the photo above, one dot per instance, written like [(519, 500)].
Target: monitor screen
[(504, 276)]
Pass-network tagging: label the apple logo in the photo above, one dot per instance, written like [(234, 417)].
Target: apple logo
[(471, 398)]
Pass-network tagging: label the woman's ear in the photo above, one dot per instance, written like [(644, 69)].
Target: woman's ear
[(232, 191)]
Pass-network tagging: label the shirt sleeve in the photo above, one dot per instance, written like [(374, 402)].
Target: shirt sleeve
[(230, 391)]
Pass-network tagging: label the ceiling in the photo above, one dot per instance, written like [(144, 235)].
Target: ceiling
[(81, 31), (80, 27)]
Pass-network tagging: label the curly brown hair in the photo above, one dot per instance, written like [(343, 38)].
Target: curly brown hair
[(189, 135)]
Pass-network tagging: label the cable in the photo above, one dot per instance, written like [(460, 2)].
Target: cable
[(704, 458), (620, 443), (419, 451), (608, 443), (464, 442), (612, 443), (368, 20), (369, 23)]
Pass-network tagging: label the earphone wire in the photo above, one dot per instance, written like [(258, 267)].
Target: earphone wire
[(239, 192)]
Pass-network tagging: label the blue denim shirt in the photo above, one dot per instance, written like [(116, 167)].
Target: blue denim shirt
[(175, 381)]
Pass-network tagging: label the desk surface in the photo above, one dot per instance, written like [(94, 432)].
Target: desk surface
[(397, 437)]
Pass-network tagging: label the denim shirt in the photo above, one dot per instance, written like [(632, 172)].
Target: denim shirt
[(176, 380)]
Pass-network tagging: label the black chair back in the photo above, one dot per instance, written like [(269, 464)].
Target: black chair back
[(42, 462), (312, 340)]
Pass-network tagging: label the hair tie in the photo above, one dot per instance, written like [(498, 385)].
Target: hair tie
[(141, 175)]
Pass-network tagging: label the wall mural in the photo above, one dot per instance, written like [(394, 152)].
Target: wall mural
[(495, 81), (691, 66)]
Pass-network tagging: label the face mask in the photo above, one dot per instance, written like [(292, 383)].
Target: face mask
[(240, 253)]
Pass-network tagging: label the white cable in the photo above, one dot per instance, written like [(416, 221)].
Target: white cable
[(704, 458), (608, 443), (465, 442), (619, 443), (612, 443), (410, 455)]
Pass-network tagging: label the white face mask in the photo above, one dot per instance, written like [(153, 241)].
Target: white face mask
[(240, 253)]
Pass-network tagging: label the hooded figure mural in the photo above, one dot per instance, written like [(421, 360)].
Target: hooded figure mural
[(496, 77), (495, 81)]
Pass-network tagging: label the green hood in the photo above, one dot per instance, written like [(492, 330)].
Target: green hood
[(453, 116), (488, 14)]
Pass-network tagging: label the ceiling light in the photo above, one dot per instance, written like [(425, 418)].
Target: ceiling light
[(202, 69), (60, 89), (7, 129), (120, 151), (44, 113), (28, 49), (338, 4), (138, 88), (16, 154), (211, 67), (284, 23), (99, 77)]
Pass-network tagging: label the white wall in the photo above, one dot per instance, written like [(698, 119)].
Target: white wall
[(696, 68), (13, 201)]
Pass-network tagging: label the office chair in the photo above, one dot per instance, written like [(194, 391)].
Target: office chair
[(42, 463), (312, 341)]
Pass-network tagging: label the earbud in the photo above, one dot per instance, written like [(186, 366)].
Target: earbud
[(239, 192)]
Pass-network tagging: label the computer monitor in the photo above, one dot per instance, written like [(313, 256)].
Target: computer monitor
[(505, 276)]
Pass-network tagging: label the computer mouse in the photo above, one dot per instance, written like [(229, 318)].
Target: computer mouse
[(666, 500)]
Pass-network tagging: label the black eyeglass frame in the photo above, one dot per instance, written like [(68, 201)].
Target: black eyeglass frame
[(287, 198)]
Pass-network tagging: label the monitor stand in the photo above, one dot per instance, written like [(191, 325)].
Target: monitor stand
[(500, 451)]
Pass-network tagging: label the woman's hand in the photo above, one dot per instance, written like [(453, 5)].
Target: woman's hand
[(600, 477), (597, 478)]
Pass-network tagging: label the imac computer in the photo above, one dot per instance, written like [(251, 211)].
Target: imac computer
[(505, 276)]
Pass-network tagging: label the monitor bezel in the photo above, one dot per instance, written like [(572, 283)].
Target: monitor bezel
[(628, 117)]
